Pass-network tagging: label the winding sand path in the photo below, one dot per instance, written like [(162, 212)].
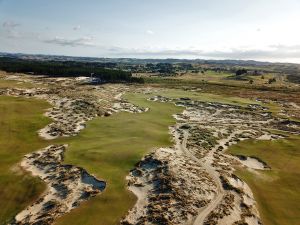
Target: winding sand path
[(206, 163)]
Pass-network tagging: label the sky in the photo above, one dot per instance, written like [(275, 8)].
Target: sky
[(264, 30)]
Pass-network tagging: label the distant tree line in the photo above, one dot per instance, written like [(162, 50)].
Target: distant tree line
[(165, 69), (294, 78), (66, 69)]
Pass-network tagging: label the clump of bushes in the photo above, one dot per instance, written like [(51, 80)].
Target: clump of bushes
[(271, 80)]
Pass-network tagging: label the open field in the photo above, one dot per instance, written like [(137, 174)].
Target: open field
[(109, 148), (208, 76), (20, 120), (277, 190)]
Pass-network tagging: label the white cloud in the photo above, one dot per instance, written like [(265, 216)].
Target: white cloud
[(78, 27), (150, 32), (83, 41)]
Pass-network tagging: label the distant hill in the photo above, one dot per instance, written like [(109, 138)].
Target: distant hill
[(290, 69), (40, 57)]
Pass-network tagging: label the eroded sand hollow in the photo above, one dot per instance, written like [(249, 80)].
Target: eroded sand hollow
[(67, 186)]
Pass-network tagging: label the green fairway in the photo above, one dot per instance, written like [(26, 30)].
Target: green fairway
[(109, 148), (277, 190), (20, 118)]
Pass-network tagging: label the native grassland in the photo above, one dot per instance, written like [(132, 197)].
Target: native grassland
[(277, 190), (20, 118)]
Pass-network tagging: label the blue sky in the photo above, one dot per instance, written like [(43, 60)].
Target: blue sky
[(235, 29)]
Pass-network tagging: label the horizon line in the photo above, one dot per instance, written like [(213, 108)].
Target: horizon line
[(145, 58)]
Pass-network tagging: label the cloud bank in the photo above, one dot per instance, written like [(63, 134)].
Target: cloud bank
[(9, 29), (271, 52), (78, 42), (78, 27), (10, 24)]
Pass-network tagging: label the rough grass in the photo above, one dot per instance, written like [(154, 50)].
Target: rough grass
[(276, 191), (109, 148), (16, 84), (206, 97), (248, 91), (230, 95), (20, 118)]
